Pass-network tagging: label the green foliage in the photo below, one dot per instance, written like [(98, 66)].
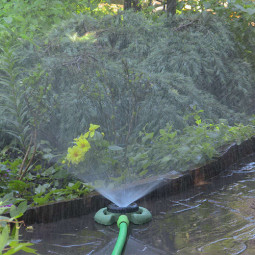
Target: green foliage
[(206, 61), (127, 71), (25, 20), (134, 72), (169, 151), (242, 21), (9, 236), (46, 193), (15, 119), (178, 150), (240, 16), (18, 186), (40, 186), (29, 18)]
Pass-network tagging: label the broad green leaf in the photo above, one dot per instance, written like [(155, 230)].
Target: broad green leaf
[(29, 250), (4, 238), (41, 189), (42, 200), (74, 186), (17, 212), (15, 247), (49, 171)]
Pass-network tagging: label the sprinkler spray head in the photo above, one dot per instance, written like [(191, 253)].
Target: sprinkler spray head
[(110, 214), (113, 208)]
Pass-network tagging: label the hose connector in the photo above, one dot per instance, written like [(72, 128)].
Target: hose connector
[(122, 219)]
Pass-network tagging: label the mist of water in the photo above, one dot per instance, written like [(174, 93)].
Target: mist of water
[(124, 196), (124, 193)]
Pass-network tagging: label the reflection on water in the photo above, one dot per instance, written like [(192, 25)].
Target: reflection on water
[(214, 219)]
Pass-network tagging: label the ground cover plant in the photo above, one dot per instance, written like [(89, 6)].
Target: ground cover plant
[(9, 226), (154, 93)]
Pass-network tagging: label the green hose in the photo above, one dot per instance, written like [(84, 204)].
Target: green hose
[(123, 224)]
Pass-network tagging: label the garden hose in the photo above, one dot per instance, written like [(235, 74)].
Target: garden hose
[(122, 224)]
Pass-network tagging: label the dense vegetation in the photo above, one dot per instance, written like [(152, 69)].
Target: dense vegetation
[(168, 91)]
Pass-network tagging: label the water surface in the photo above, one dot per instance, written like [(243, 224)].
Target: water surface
[(216, 218)]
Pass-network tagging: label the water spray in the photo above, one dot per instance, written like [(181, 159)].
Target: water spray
[(122, 215)]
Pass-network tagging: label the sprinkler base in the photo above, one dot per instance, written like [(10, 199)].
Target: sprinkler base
[(113, 208), (104, 217)]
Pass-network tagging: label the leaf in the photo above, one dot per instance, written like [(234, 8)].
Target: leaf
[(17, 212), (42, 200), (15, 247), (143, 172), (172, 135), (250, 11), (18, 185), (3, 218), (238, 6), (115, 148), (162, 131), (8, 20), (3, 210), (29, 250), (4, 238), (15, 231), (8, 197), (166, 159), (42, 188), (50, 171), (48, 156), (73, 186)]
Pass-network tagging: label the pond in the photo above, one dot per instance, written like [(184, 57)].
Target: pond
[(214, 218)]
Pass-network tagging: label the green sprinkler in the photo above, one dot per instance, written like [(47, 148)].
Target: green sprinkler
[(122, 215)]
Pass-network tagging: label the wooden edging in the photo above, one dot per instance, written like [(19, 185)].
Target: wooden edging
[(94, 201)]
